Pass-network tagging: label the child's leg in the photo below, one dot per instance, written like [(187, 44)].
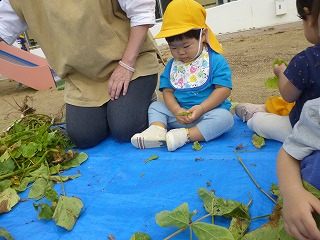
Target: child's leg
[(270, 126), (155, 135), (310, 169), (211, 125), (214, 123)]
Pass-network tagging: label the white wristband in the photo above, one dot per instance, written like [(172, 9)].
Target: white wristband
[(122, 64)]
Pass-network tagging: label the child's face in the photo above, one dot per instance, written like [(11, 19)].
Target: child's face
[(311, 30), (186, 49)]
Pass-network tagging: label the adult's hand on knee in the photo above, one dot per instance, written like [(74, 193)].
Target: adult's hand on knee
[(119, 81)]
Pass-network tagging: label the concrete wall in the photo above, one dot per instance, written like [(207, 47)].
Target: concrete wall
[(245, 15)]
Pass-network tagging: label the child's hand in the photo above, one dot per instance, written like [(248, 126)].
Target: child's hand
[(196, 112), (298, 206), (279, 69), (182, 115)]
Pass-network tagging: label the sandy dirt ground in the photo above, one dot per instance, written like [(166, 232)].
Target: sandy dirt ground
[(250, 55)]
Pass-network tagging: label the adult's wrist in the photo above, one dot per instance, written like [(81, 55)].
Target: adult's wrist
[(126, 66)]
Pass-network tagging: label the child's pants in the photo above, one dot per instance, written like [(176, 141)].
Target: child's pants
[(211, 125), (270, 126), (310, 169)]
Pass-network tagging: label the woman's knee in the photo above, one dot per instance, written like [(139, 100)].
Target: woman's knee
[(124, 132), (86, 138)]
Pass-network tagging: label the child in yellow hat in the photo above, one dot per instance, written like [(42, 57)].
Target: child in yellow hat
[(195, 83)]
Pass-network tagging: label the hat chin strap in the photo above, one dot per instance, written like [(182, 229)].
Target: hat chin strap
[(199, 44)]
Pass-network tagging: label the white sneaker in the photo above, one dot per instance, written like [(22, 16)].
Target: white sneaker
[(152, 137), (176, 138)]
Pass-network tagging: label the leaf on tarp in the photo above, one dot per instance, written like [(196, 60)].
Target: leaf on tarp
[(257, 141), (67, 211), (140, 236), (222, 207), (262, 233), (51, 195), (270, 230), (154, 157), (238, 227), (7, 166), (23, 184), (275, 190), (205, 231), (60, 179), (5, 234), (46, 211), (180, 217), (30, 150), (184, 114), (41, 171), (38, 188), (8, 198), (4, 184), (196, 146), (5, 156), (75, 162)]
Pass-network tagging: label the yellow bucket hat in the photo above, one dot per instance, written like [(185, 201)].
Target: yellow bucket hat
[(184, 15)]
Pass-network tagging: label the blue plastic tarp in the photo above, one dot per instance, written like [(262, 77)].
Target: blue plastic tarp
[(122, 194)]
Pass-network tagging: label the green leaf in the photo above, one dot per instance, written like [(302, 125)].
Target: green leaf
[(18, 127), (238, 227), (272, 82), (7, 166), (8, 199), (208, 198), (75, 162), (184, 114), (282, 234), (42, 171), (262, 233), (311, 189), (154, 157), (6, 235), (30, 150), (51, 195), (270, 230), (140, 236), (46, 211), (205, 231), (257, 141), (67, 211), (23, 184), (196, 146), (5, 156), (275, 190), (221, 207), (4, 184), (60, 179), (279, 61), (38, 189), (180, 217)]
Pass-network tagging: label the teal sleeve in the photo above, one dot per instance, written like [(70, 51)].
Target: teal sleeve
[(165, 77)]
